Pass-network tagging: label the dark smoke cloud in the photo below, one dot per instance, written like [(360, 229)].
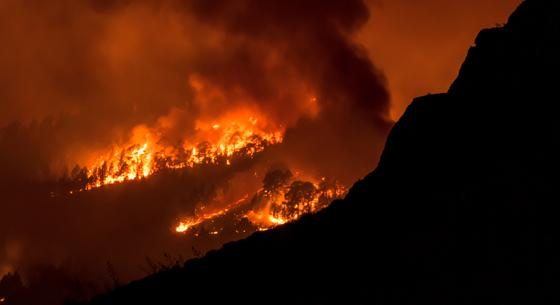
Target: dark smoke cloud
[(313, 40), (77, 76), (98, 69)]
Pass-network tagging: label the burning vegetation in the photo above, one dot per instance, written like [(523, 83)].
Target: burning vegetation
[(283, 196), (219, 144), (174, 112), (281, 199)]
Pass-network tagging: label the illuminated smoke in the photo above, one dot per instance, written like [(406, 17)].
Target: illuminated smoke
[(170, 111)]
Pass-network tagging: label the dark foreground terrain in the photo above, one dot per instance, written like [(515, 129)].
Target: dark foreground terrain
[(462, 209)]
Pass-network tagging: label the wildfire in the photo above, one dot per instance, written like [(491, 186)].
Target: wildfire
[(281, 200), (218, 143), (187, 223), (286, 201)]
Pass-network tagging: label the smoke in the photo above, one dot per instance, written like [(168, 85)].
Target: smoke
[(96, 70), (418, 54), (79, 76)]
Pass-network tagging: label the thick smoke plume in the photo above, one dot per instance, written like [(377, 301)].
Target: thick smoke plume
[(77, 77)]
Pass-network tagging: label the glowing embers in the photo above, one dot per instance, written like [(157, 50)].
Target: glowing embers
[(281, 199), (187, 223), (217, 143)]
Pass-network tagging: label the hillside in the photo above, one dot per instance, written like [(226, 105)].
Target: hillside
[(461, 209)]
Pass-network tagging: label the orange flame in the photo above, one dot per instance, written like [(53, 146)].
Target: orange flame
[(187, 223), (278, 206), (218, 143), (289, 203)]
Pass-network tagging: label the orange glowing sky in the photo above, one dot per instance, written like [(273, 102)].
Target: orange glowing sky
[(420, 44)]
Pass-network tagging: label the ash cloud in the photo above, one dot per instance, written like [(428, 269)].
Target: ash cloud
[(78, 76)]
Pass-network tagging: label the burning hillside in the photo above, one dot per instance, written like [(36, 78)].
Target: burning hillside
[(281, 199), (152, 127), (221, 144)]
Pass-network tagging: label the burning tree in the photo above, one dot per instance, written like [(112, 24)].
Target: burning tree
[(276, 179), (299, 199)]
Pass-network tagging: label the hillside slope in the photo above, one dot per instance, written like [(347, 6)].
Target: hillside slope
[(462, 208)]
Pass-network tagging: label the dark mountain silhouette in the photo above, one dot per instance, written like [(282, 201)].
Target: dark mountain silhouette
[(462, 209)]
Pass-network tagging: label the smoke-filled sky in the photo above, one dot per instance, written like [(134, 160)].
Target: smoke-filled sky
[(77, 77), (420, 44), (126, 60)]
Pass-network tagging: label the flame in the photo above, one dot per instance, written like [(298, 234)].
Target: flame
[(288, 203), (182, 227), (219, 142), (216, 143), (185, 224), (276, 206)]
